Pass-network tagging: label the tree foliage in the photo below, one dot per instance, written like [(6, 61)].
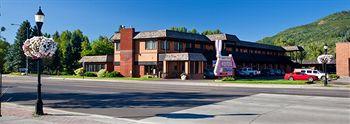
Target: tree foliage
[(101, 46), (15, 57), (331, 29), (210, 32), (3, 50), (194, 31)]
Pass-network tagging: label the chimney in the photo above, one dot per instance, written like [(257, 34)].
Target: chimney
[(126, 51)]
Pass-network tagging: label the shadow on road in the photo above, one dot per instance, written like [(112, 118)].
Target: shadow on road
[(122, 100), (198, 116)]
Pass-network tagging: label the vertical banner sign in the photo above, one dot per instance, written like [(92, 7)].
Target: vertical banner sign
[(224, 65)]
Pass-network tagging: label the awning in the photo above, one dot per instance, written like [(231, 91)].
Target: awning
[(182, 57)]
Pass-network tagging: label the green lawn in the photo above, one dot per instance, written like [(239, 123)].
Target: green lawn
[(266, 81), (106, 78)]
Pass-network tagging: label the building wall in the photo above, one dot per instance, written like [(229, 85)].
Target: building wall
[(134, 51), (143, 54), (343, 59)]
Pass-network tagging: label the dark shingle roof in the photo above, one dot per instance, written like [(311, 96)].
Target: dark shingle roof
[(259, 45), (98, 58), (165, 33), (198, 37)]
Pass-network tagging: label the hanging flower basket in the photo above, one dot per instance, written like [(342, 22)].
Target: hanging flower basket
[(39, 47), (324, 59)]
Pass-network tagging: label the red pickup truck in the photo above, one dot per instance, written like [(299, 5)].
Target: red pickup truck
[(300, 76)]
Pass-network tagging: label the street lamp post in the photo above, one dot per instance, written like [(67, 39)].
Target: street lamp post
[(39, 19), (325, 47)]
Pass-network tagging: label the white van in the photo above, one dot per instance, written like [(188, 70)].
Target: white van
[(317, 73)]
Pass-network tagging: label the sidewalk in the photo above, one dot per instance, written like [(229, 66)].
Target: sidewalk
[(18, 114)]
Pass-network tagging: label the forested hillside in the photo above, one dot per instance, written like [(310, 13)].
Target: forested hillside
[(331, 29)]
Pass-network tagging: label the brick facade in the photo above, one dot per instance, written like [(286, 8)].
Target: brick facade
[(126, 52), (343, 59)]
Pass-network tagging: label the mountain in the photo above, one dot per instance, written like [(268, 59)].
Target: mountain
[(330, 29)]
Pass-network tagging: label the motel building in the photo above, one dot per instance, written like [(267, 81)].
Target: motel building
[(168, 54)]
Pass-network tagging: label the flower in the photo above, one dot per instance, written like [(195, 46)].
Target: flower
[(324, 58), (39, 47)]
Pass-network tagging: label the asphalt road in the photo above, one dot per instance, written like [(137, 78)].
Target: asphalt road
[(133, 100)]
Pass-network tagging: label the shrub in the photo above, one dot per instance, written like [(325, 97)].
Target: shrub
[(228, 79), (102, 73), (147, 76), (90, 74), (333, 76), (79, 71), (113, 74)]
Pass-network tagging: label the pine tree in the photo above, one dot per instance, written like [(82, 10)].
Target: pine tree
[(76, 41), (15, 56)]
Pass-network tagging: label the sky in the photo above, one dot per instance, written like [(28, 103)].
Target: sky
[(249, 20)]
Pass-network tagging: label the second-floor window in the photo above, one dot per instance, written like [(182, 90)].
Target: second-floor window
[(188, 45), (177, 46), (165, 45), (151, 45), (117, 46)]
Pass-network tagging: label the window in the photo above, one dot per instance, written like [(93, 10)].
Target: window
[(308, 71), (315, 72), (117, 46), (165, 45), (188, 45), (151, 45), (94, 67), (177, 46), (180, 46), (150, 70)]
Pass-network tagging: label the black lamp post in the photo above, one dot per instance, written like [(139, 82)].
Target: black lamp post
[(325, 47), (39, 19)]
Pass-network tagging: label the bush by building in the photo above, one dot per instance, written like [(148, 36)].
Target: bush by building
[(79, 71), (102, 73), (90, 74), (113, 74)]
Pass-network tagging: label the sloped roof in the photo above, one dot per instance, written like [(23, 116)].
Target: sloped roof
[(197, 37), (293, 48), (98, 58), (165, 33), (182, 57), (227, 37), (259, 45)]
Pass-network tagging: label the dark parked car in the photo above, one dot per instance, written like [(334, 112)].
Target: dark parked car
[(268, 72), (209, 74)]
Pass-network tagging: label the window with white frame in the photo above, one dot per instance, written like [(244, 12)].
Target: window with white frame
[(151, 45)]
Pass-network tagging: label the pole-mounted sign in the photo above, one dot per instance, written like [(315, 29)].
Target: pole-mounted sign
[(224, 65)]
